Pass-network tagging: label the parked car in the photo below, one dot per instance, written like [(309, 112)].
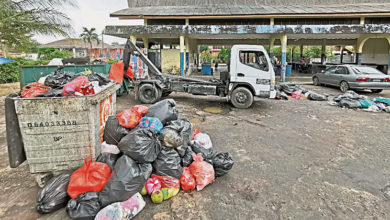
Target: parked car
[(348, 77)]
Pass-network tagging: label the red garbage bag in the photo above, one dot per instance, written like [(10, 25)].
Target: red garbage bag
[(117, 71), (91, 177), (187, 180), (168, 181), (152, 184), (78, 87), (202, 171), (34, 89), (130, 118)]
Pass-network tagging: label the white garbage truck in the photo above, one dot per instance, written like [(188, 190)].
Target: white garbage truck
[(250, 73)]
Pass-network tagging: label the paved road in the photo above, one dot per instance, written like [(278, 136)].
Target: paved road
[(295, 159)]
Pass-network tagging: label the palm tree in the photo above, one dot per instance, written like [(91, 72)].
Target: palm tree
[(21, 19), (89, 36)]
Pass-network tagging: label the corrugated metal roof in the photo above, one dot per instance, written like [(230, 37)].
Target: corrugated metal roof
[(226, 10)]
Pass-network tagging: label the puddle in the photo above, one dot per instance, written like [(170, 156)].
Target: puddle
[(213, 110)]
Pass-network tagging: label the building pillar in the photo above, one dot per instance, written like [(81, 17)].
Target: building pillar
[(145, 21), (182, 50), (187, 21), (133, 39), (323, 51), (187, 57), (271, 48), (341, 54), (283, 40), (74, 52), (362, 20), (359, 49), (388, 62), (272, 21)]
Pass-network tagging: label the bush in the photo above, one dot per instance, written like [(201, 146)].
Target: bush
[(51, 53), (9, 72)]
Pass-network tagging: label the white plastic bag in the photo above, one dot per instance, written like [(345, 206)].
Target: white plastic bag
[(109, 148), (203, 140), (122, 210)]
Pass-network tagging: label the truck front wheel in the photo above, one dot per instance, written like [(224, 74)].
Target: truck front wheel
[(149, 94), (241, 98)]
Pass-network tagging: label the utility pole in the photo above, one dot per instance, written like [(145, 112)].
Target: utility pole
[(102, 42)]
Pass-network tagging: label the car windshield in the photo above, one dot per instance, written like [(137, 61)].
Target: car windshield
[(366, 70)]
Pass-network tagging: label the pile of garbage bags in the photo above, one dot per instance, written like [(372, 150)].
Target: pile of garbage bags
[(287, 90), (352, 100), (66, 84), (146, 151)]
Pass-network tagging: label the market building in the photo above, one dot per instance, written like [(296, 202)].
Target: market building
[(361, 24)]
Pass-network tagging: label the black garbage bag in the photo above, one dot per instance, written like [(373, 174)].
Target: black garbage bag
[(281, 95), (57, 79), (108, 158), (187, 159), (127, 179), (164, 110), (113, 131), (289, 88), (54, 195), (101, 78), (350, 103), (141, 144), (222, 163), (349, 95), (182, 150), (185, 128), (168, 163), (170, 136), (84, 207), (207, 154), (317, 96), (52, 93)]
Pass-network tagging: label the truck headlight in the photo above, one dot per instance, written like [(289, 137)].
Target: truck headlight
[(273, 82)]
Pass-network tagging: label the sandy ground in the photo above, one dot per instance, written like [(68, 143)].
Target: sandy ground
[(294, 159)]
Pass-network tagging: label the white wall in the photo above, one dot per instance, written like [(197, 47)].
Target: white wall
[(376, 50)]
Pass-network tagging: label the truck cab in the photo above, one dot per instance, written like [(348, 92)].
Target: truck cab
[(250, 70)]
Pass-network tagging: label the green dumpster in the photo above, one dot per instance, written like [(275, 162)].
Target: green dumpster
[(29, 74)]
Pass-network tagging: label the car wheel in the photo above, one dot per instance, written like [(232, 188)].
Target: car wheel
[(241, 98), (376, 90), (344, 86), (316, 81), (149, 94)]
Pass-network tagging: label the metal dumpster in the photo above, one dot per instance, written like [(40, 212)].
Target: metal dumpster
[(58, 133)]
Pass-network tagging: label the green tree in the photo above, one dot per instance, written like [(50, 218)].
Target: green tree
[(90, 35), (21, 19), (204, 48), (49, 53), (224, 54)]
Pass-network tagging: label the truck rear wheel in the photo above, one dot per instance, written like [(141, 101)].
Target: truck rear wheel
[(241, 98), (149, 94)]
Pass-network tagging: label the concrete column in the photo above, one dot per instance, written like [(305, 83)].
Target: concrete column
[(362, 20), (187, 58), (272, 21), (133, 39), (342, 54), (388, 62), (283, 40), (323, 51), (359, 49), (182, 50), (271, 48), (145, 21), (187, 21), (74, 52)]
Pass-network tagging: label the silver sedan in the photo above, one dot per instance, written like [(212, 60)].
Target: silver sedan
[(348, 77)]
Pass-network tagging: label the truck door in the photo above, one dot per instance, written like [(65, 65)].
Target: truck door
[(253, 68)]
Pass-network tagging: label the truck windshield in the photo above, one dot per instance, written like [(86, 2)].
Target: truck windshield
[(255, 59)]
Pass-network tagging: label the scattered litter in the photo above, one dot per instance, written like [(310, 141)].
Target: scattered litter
[(288, 91), (213, 110), (222, 164), (351, 99)]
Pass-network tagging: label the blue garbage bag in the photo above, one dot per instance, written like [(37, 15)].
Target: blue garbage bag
[(366, 103), (151, 122)]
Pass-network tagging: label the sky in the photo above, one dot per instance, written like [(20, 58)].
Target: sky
[(93, 13)]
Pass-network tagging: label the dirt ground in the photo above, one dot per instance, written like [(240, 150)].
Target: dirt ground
[(294, 159)]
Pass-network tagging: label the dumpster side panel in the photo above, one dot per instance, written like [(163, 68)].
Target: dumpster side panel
[(58, 133)]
